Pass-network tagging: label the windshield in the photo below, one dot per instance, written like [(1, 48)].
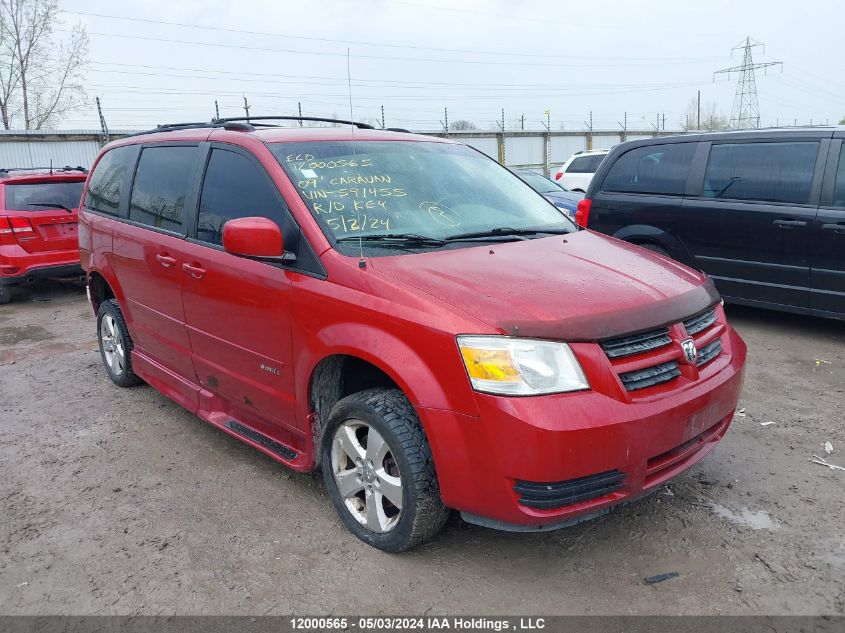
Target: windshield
[(539, 183), (400, 188), (36, 196)]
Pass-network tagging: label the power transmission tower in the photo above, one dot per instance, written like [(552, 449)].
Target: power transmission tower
[(746, 111)]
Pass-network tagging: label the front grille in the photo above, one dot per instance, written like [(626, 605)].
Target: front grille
[(635, 343), (709, 352), (649, 376), (700, 322), (563, 493)]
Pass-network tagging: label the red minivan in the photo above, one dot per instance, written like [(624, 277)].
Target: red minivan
[(406, 313), (38, 221)]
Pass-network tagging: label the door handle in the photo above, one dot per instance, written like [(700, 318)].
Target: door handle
[(789, 224), (194, 269), (165, 260), (839, 228)]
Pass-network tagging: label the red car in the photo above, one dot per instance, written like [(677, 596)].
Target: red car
[(406, 313), (38, 221)]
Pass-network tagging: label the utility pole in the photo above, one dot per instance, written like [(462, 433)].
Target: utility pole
[(246, 108), (382, 118), (216, 110), (299, 105), (445, 121), (103, 127), (746, 110), (698, 117)]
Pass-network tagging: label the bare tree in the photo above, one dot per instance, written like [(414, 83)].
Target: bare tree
[(712, 119), (462, 125), (43, 73)]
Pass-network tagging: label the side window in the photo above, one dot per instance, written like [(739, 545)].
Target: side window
[(234, 187), (106, 182), (161, 186), (658, 169), (839, 185), (582, 165), (771, 172)]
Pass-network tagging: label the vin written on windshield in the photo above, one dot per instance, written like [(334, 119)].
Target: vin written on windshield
[(429, 189)]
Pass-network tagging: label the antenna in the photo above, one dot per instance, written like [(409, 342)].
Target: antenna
[(362, 264)]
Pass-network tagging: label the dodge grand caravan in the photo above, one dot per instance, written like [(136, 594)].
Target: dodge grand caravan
[(760, 211), (406, 313)]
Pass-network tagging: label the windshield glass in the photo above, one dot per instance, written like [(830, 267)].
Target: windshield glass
[(539, 183), (33, 196), (429, 189)]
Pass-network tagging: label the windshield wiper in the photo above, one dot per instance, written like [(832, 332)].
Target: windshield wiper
[(504, 231), (50, 205), (404, 239)]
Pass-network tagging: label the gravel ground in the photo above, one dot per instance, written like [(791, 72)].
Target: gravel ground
[(117, 501)]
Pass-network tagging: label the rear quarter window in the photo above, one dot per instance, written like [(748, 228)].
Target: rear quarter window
[(584, 164), (656, 169), (106, 182)]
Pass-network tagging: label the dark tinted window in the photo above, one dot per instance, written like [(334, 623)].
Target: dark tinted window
[(839, 188), (659, 169), (107, 180), (585, 164), (33, 197), (774, 172), (161, 186), (234, 187)]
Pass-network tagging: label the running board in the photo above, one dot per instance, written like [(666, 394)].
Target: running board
[(259, 438)]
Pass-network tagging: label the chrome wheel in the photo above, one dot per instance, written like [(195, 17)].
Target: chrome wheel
[(367, 476), (113, 350)]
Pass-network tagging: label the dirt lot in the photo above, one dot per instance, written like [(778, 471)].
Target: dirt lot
[(117, 501)]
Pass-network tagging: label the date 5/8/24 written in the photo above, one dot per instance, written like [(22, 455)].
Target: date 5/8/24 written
[(410, 623)]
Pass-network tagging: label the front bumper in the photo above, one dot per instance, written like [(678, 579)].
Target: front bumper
[(569, 436)]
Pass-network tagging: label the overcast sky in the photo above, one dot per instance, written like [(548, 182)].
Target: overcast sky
[(156, 61)]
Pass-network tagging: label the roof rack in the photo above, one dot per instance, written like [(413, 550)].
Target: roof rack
[(173, 127), (358, 124), (6, 170)]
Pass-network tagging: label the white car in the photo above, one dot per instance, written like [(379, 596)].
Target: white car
[(576, 173)]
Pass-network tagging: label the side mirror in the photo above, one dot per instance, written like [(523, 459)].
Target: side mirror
[(254, 238)]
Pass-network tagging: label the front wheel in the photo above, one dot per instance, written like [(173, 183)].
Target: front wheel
[(115, 344), (379, 471)]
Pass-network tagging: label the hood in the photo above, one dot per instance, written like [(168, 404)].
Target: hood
[(577, 287)]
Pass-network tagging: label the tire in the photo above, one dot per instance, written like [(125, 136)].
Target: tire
[(5, 294), (115, 344), (654, 248), (404, 458)]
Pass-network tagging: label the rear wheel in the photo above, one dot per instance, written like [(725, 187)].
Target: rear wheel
[(5, 294), (379, 471), (115, 344)]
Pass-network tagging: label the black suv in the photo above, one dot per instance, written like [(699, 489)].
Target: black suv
[(762, 211)]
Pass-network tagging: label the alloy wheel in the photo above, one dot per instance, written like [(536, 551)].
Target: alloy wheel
[(112, 343), (367, 476)]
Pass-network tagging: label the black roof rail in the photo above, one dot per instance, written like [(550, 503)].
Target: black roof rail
[(358, 124), (6, 170), (174, 127), (397, 129)]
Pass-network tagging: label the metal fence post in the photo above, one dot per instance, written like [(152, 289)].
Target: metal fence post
[(500, 140), (547, 153)]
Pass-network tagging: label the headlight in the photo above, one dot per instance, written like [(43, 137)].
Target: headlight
[(520, 367)]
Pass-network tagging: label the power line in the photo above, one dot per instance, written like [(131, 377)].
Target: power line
[(657, 60)]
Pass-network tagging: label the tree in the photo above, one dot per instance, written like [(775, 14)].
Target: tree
[(842, 121), (462, 125), (711, 118), (39, 75)]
